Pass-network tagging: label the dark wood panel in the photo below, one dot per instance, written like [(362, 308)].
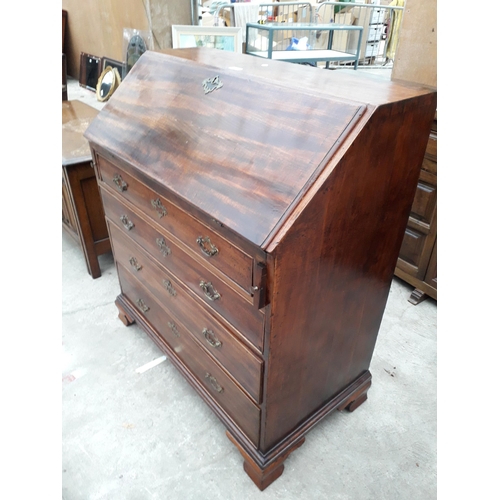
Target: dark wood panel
[(242, 314), (412, 246), (424, 203), (431, 274), (199, 155), (95, 211), (215, 380), (351, 85), (329, 230), (330, 301), (68, 212), (228, 258), (215, 338)]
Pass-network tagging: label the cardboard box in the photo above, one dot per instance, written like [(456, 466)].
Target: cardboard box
[(285, 34), (341, 39)]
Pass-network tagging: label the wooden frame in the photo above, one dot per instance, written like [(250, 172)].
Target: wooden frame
[(219, 37)]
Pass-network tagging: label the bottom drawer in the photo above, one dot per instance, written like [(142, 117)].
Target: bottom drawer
[(211, 376)]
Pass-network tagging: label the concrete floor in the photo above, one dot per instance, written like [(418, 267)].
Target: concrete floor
[(148, 436)]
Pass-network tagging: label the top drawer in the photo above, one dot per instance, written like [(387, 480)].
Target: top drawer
[(216, 250)]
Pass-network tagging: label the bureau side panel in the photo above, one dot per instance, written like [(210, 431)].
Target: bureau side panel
[(334, 265)]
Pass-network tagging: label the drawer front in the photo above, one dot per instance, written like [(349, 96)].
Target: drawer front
[(431, 149), (213, 378), (214, 292), (215, 249), (424, 202), (242, 364), (429, 165), (412, 246)]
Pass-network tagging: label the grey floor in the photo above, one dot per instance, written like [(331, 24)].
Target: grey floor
[(141, 436)]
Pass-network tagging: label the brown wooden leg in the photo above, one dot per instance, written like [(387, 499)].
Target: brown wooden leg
[(126, 320), (357, 402), (263, 477), (417, 296), (357, 398), (87, 205)]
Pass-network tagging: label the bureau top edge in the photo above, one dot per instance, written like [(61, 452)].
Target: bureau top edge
[(242, 153)]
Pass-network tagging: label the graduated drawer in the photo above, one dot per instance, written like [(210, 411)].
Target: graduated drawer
[(213, 378), (424, 202), (412, 246), (215, 249), (238, 360), (214, 292)]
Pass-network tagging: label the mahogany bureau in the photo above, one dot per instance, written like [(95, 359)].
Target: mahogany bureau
[(82, 212), (256, 215)]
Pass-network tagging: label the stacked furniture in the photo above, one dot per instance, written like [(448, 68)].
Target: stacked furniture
[(256, 213), (417, 263)]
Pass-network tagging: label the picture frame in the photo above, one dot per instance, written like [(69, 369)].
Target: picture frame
[(218, 37), (120, 66), (90, 70)]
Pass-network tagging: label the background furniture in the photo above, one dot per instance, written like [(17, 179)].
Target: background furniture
[(64, 62), (416, 62), (417, 263), (64, 79), (256, 245), (260, 42), (82, 212)]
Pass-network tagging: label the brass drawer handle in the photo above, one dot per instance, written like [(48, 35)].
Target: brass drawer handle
[(214, 383), (120, 183), (127, 222), (211, 338), (170, 289), (209, 290), (164, 249), (209, 250), (173, 327), (142, 306), (158, 206), (135, 264)]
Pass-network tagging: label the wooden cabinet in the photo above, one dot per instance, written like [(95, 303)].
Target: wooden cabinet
[(255, 243), (417, 262), (82, 211)]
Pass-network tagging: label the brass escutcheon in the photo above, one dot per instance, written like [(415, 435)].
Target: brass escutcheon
[(127, 222), (209, 290), (214, 383), (120, 183), (170, 289), (173, 327), (158, 206), (164, 249), (142, 306), (211, 84), (211, 338), (207, 247), (135, 264)]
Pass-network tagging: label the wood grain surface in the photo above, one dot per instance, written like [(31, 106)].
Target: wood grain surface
[(239, 157)]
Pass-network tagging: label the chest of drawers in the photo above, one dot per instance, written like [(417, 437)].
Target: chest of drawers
[(255, 222)]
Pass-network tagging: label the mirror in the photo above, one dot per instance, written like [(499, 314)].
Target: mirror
[(136, 47), (107, 84)]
